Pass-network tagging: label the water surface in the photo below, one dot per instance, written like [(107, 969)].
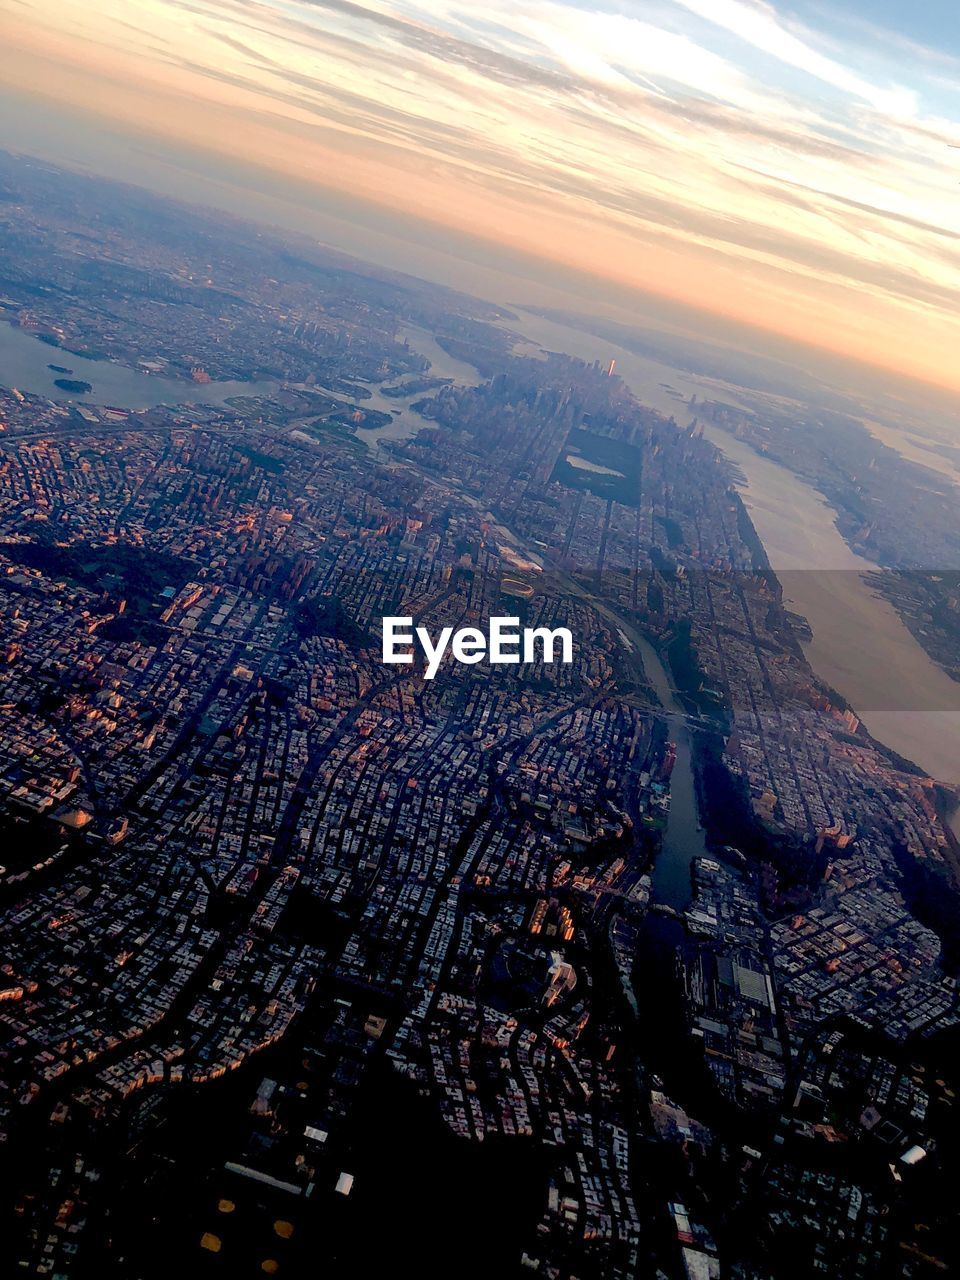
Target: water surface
[(25, 362), (860, 646)]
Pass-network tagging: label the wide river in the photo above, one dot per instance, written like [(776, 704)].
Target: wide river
[(30, 365), (860, 646), (25, 363)]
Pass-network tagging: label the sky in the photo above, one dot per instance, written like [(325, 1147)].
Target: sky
[(783, 164)]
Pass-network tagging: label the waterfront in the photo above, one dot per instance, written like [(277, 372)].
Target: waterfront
[(683, 839), (33, 366), (27, 363), (405, 421), (859, 646)]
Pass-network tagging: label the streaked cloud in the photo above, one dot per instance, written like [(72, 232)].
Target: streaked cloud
[(787, 169)]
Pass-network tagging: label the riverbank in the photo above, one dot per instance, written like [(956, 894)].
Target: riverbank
[(25, 365), (859, 645)]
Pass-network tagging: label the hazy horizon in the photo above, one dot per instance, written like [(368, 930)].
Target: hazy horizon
[(846, 249)]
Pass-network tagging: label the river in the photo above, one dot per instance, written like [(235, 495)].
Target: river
[(25, 364), (683, 839), (406, 421), (860, 646)]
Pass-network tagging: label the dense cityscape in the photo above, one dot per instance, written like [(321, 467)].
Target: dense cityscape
[(638, 966)]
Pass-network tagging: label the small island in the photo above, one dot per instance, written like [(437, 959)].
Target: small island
[(365, 419), (74, 385)]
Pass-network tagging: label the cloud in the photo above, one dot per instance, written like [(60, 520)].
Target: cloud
[(666, 143), (758, 24)]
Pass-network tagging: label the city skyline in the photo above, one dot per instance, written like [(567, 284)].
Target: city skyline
[(778, 165)]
